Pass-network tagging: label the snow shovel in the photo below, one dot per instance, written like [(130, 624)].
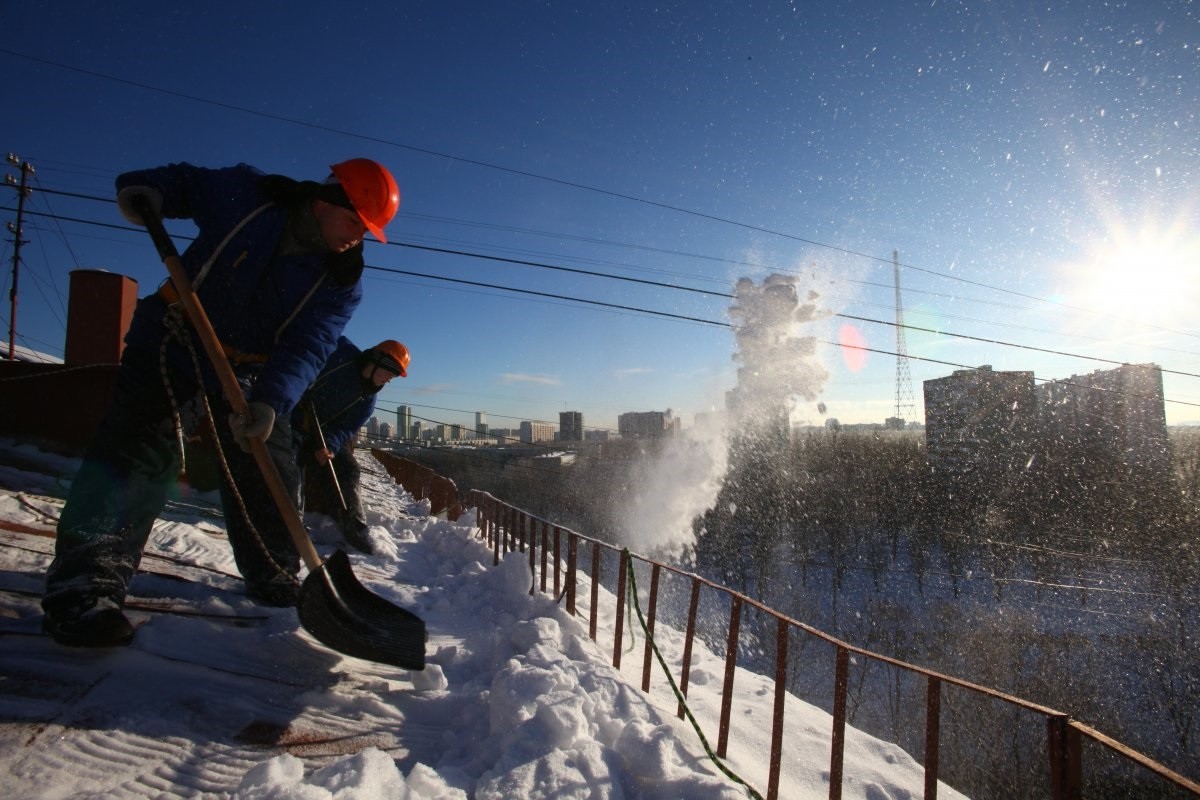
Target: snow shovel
[(333, 606)]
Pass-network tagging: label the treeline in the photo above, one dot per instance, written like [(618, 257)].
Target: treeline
[(1065, 578), (830, 493)]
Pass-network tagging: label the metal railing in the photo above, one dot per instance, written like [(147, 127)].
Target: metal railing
[(554, 554), (422, 483)]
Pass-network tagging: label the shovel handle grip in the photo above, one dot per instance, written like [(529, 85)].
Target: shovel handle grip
[(229, 384)]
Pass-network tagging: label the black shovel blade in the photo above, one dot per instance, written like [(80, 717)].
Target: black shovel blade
[(346, 616)]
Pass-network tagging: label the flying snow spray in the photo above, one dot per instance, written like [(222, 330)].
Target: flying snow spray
[(776, 365)]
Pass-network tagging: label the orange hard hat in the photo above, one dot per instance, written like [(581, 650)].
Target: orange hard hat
[(372, 190), (391, 355)]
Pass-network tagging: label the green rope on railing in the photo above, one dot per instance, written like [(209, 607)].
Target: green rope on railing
[(733, 776), (629, 610)]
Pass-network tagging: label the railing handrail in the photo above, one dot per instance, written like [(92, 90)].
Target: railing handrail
[(500, 521)]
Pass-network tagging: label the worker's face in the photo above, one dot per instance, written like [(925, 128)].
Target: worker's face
[(378, 375), (340, 227)]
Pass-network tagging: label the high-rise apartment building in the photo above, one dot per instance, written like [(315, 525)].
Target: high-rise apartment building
[(570, 426), (979, 420), (983, 422), (404, 422), (647, 424), (1119, 413), (533, 432)]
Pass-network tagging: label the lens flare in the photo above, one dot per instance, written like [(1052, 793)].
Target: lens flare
[(853, 343)]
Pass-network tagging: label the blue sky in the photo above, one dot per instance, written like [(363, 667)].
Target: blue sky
[(1035, 168)]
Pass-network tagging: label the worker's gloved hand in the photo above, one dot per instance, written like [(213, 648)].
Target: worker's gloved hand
[(126, 201), (323, 456), (257, 425)]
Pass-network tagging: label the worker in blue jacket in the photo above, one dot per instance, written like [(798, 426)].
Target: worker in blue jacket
[(276, 264), (326, 422)]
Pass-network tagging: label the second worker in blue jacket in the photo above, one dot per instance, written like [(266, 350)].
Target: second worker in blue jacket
[(334, 408)]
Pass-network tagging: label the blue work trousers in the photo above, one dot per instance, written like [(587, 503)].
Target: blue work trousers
[(128, 473)]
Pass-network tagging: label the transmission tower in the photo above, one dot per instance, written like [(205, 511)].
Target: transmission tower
[(906, 408)]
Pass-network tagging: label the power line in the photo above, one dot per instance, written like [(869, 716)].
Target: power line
[(693, 319), (662, 284), (559, 268)]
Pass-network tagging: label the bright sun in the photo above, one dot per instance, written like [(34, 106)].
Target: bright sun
[(1150, 276)]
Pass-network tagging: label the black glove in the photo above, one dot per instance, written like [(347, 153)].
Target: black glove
[(257, 425)]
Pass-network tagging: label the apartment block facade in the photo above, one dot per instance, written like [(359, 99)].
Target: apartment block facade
[(646, 424), (979, 421), (987, 422), (570, 426)]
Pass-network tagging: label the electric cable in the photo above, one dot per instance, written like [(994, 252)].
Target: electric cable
[(714, 293), (702, 321)]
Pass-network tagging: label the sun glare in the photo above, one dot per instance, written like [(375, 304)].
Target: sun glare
[(1152, 276)]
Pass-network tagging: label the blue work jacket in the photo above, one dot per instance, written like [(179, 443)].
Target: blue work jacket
[(340, 398), (259, 302)]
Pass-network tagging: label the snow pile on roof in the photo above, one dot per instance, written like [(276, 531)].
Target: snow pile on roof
[(219, 697)]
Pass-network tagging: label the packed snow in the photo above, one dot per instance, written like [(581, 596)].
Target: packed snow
[(219, 697)]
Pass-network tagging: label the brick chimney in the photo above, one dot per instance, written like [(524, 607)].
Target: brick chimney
[(98, 314)]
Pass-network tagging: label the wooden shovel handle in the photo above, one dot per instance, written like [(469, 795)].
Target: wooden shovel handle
[(337, 485), (229, 384)]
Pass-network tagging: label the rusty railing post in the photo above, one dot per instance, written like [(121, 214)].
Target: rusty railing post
[(485, 514), (532, 555), (781, 661), (572, 574), (499, 532), (557, 558), (507, 534), (933, 727), (478, 502), (595, 612), (1063, 748), (545, 552), (841, 688), (731, 652), (655, 571), (685, 669), (622, 583)]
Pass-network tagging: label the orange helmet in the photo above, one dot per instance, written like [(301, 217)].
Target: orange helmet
[(372, 190), (391, 355)]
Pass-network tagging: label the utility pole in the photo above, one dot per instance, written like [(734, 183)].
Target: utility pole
[(23, 191), (904, 392)]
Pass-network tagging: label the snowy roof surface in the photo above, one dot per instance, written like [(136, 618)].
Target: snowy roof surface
[(22, 353), (219, 697)]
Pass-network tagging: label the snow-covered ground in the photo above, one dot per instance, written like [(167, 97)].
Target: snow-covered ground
[(219, 697)]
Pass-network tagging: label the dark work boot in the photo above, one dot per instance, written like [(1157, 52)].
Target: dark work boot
[(99, 625), (354, 531)]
